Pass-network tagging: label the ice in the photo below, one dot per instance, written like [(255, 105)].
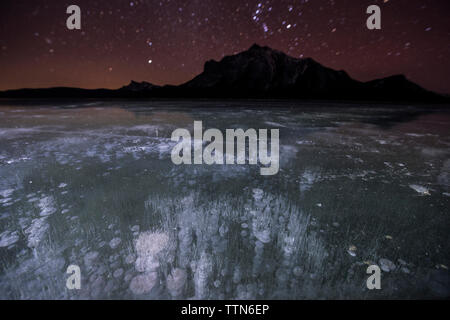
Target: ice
[(36, 231), (130, 259), (297, 271), (90, 258), (118, 273), (402, 262), (144, 283), (414, 135), (5, 201), (8, 238), (257, 194), (4, 215), (205, 227), (185, 238), (434, 152), (263, 235), (275, 124), (146, 128), (146, 263), (305, 142), (444, 176), (288, 153), (405, 270), (261, 223), (352, 250), (148, 246), (15, 132), (176, 282), (6, 193), (128, 276), (114, 243), (308, 178), (47, 206), (237, 275), (420, 189), (151, 243), (216, 232), (97, 287), (387, 265), (202, 276)]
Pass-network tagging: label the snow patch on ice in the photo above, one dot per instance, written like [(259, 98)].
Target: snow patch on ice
[(8, 238), (47, 206), (6, 193), (420, 189), (36, 231)]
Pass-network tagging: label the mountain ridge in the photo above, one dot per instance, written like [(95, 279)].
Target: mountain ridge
[(259, 72)]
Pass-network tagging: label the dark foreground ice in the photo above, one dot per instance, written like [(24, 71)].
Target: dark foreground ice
[(93, 185)]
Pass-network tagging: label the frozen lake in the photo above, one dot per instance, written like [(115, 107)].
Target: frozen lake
[(93, 185)]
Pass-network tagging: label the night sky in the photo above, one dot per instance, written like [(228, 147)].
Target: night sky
[(168, 41)]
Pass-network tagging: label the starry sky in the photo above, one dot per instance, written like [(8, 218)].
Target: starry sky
[(168, 41)]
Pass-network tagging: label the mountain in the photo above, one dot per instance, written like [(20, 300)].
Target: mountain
[(139, 87), (262, 71), (132, 90), (58, 92), (259, 72)]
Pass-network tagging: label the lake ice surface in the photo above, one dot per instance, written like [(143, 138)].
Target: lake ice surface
[(94, 186)]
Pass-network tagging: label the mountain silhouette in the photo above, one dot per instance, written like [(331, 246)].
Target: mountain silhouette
[(259, 72), (139, 86)]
